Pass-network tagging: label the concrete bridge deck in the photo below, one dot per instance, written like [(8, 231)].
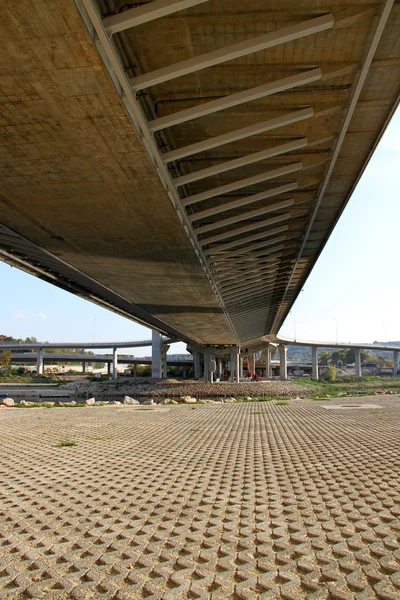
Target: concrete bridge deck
[(183, 163), (248, 501)]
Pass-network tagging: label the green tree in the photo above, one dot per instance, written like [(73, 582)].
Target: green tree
[(324, 358), (5, 358)]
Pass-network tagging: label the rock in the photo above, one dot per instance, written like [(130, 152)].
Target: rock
[(233, 398), (187, 400), (115, 403), (149, 402), (249, 398), (7, 402), (230, 400), (48, 404), (130, 401), (90, 402)]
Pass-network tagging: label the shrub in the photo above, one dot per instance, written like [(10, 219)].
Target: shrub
[(330, 373)]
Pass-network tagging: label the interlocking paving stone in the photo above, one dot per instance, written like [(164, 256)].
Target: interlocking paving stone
[(241, 501)]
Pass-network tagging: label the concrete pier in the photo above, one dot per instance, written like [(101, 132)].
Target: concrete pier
[(252, 363), (282, 361), (40, 362), (115, 363), (235, 366), (357, 354), (315, 370), (395, 363)]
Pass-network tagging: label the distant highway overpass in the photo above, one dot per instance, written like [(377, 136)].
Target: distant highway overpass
[(191, 186)]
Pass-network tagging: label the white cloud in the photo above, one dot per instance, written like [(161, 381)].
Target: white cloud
[(42, 316), (19, 315)]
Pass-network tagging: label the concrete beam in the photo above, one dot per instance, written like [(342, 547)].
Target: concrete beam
[(218, 237), (242, 183), (239, 134), (244, 252), (221, 248), (245, 216), (148, 12), (261, 91), (216, 57), (236, 163), (209, 212)]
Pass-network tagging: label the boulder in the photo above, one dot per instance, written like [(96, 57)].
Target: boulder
[(187, 400), (149, 402), (129, 401), (229, 400), (115, 403), (7, 402), (90, 402)]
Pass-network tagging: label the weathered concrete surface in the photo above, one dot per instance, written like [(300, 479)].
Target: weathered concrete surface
[(248, 501), (76, 180)]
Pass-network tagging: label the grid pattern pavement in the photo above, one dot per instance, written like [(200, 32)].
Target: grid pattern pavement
[(241, 501)]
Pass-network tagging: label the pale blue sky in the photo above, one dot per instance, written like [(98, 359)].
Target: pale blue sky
[(353, 290)]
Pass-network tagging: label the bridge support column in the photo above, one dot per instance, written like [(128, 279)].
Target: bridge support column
[(314, 352), (252, 363), (357, 354), (197, 364), (184, 371), (240, 368), (40, 362), (135, 370), (115, 363), (108, 369), (268, 358), (395, 363), (282, 361), (83, 367), (158, 356), (209, 365), (235, 367)]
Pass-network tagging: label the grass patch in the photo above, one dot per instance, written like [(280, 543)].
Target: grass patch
[(281, 403), (66, 443)]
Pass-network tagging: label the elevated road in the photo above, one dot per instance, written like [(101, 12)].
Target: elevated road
[(126, 359), (73, 345), (184, 162)]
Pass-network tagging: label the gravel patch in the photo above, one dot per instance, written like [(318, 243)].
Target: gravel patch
[(158, 388)]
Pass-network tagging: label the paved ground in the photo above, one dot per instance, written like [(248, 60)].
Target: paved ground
[(241, 501)]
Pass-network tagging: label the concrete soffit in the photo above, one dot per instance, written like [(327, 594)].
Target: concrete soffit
[(102, 30)]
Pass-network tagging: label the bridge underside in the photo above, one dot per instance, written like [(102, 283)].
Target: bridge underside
[(187, 171)]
